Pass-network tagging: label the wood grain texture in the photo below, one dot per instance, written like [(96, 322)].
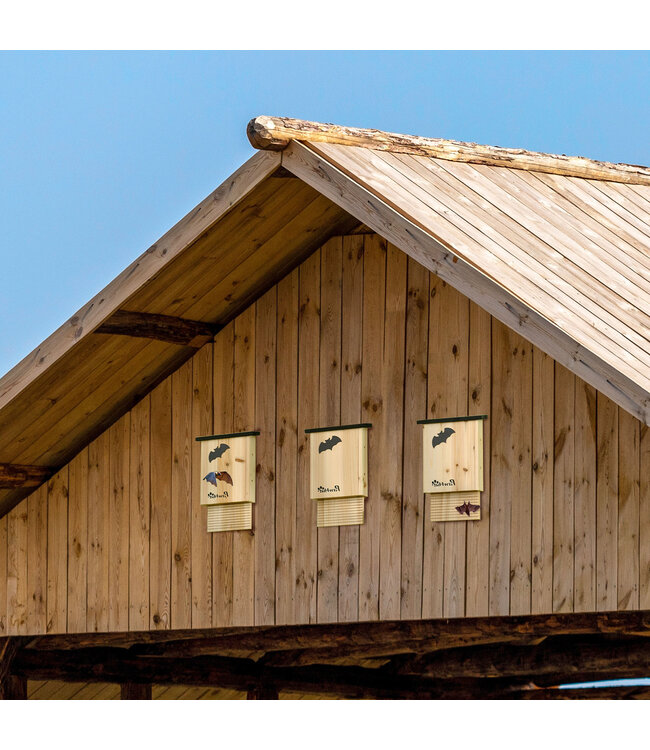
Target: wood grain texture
[(160, 550), (139, 489), (607, 506), (77, 573), (37, 527), (202, 424), (57, 552), (628, 512), (329, 413), (119, 511), (16, 551), (98, 520), (3, 577), (243, 570)]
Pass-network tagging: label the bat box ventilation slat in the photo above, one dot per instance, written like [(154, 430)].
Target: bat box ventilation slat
[(452, 469), (339, 473), (228, 480)]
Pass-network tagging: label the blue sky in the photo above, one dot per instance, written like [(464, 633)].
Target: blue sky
[(100, 153)]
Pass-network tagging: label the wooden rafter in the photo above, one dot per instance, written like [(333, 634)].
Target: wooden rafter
[(20, 475), (165, 328), (275, 134)]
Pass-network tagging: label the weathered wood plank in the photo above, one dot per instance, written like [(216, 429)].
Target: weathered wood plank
[(139, 501), (202, 424), (181, 507), (37, 561), (351, 367), (415, 406), (22, 475), (306, 550), (644, 518), (222, 543), (563, 490), (57, 552), (118, 582), (329, 414), (17, 570), (160, 550), (628, 512), (265, 422), (391, 427), (286, 447), (98, 519), (243, 571), (585, 498), (479, 402), (607, 505), (77, 572), (3, 577), (374, 296)]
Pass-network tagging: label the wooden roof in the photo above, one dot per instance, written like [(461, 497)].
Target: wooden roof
[(556, 247)]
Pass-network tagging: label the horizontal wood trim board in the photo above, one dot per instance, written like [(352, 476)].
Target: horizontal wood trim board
[(165, 328), (276, 133)]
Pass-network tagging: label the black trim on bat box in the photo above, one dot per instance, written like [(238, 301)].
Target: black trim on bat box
[(338, 427), (227, 435), (452, 419)]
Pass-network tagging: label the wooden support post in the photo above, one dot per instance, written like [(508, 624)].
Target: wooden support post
[(11, 687), (133, 691), (263, 693)]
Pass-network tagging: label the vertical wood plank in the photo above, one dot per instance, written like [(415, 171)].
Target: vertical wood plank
[(542, 482), (139, 501), (607, 505), (628, 512), (17, 570), (77, 543), (160, 549), (286, 446), (37, 561), (57, 552), (181, 590), (3, 576), (644, 518), (118, 582), (306, 550), (202, 415), (351, 366), (329, 413), (98, 519), (501, 473), (584, 599), (243, 572), (563, 489), (222, 547), (374, 297), (265, 395), (479, 402), (392, 435), (415, 407)]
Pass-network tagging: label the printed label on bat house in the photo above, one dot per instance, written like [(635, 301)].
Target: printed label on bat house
[(227, 469), (453, 467), (339, 473)]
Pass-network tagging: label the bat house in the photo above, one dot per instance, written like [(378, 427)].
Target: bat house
[(452, 467), (228, 480), (339, 473)]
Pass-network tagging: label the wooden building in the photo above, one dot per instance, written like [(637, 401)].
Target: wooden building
[(341, 277)]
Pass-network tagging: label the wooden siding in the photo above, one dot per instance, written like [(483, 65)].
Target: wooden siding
[(359, 332)]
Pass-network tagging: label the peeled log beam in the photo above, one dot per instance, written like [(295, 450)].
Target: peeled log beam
[(20, 475), (622, 692), (275, 133), (165, 328), (113, 665), (554, 661)]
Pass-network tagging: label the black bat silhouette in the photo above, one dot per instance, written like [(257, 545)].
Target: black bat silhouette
[(218, 452), (442, 436), (328, 444), (467, 508), (222, 476)]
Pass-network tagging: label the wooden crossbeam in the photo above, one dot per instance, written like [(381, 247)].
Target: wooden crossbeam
[(20, 475), (165, 328), (275, 133)]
